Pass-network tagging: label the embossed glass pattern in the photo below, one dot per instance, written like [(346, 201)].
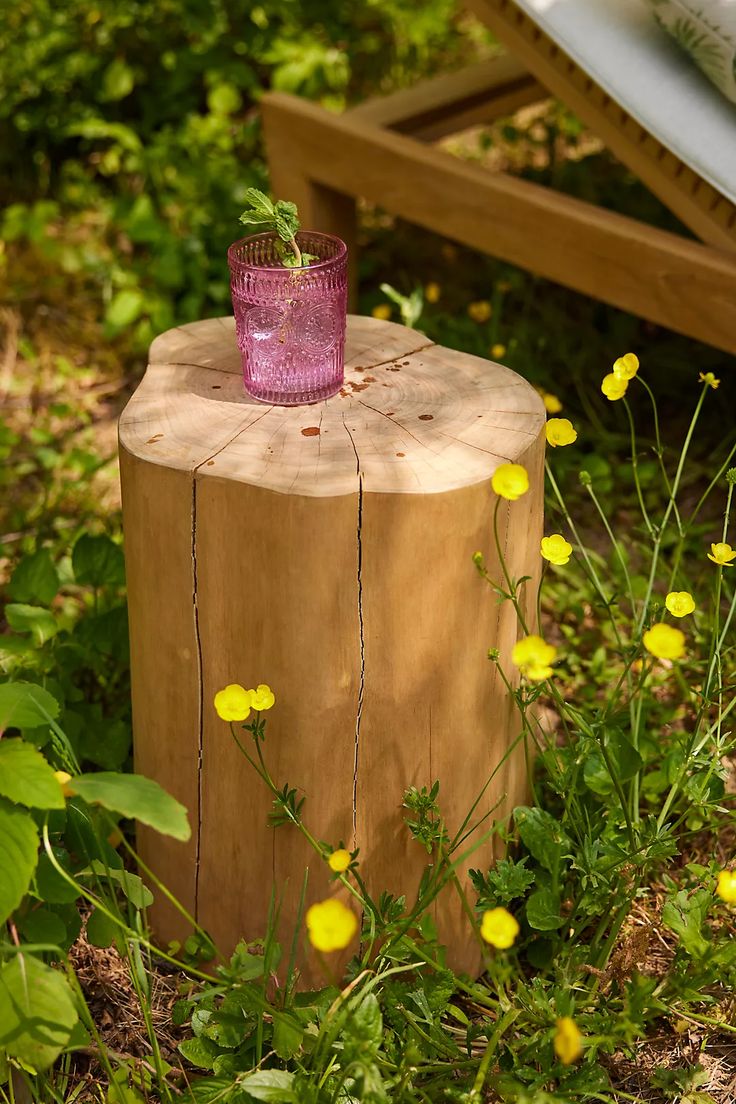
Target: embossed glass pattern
[(290, 322)]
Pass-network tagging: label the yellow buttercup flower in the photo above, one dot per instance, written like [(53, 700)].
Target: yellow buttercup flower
[(432, 292), (709, 378), (560, 431), (331, 925), (551, 403), (480, 311), (568, 1041), (556, 549), (722, 554), (499, 928), (726, 886), (233, 703), (533, 657), (680, 603), (498, 351), (664, 642), (613, 387), (382, 311), (339, 860), (510, 481), (626, 367), (262, 697), (64, 779)]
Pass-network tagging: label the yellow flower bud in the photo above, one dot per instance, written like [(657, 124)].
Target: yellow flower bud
[(330, 925), (480, 311), (432, 292), (679, 603), (533, 657), (510, 481), (726, 886), (613, 387), (498, 351), (722, 554), (568, 1041), (551, 403), (626, 367), (556, 549), (499, 928), (339, 860), (664, 642), (233, 703), (382, 311), (262, 698), (710, 379)]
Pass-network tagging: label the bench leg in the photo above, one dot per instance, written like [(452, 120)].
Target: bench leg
[(320, 208)]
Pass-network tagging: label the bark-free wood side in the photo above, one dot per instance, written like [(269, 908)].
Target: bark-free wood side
[(326, 550)]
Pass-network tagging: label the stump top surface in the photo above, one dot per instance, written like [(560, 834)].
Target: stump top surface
[(412, 417)]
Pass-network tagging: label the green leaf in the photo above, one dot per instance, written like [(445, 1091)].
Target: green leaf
[(543, 910), (136, 797), (287, 1035), (212, 1090), (367, 1024), (50, 885), (260, 205), (18, 856), (131, 885), (124, 308), (36, 620), (43, 926), (101, 930), (543, 836), (274, 1085), (685, 915), (37, 1013), (26, 705), (98, 561), (118, 81), (26, 777), (35, 579), (200, 1052), (286, 220)]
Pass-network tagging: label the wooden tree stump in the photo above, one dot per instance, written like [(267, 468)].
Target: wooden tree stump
[(326, 550)]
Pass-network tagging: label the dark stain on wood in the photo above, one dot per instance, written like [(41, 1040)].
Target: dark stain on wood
[(401, 454), (426, 417), (154, 439), (311, 431)]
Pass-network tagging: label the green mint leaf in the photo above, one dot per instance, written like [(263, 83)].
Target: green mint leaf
[(260, 203), (286, 220)]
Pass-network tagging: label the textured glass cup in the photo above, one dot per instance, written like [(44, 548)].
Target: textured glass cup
[(290, 322)]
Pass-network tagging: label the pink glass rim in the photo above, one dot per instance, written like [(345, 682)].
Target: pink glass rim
[(237, 262)]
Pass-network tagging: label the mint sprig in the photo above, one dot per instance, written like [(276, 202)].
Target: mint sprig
[(281, 218)]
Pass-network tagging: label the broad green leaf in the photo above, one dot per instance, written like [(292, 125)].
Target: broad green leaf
[(287, 1035), (36, 620), (35, 579), (37, 1013), (211, 1090), (26, 777), (18, 855), (51, 886), (101, 930), (26, 705), (118, 81), (543, 910), (200, 1052), (273, 1085), (136, 797), (43, 926), (124, 308), (98, 561), (366, 1025), (685, 915), (543, 836)]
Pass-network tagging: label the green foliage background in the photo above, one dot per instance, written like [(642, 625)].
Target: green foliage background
[(133, 127)]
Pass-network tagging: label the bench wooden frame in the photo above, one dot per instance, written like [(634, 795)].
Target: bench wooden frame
[(380, 151)]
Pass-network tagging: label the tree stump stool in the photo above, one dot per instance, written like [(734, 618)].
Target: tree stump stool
[(326, 550)]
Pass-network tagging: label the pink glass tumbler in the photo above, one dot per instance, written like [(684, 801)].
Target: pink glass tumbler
[(290, 322)]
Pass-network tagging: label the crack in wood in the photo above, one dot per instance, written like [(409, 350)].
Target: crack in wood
[(361, 630)]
